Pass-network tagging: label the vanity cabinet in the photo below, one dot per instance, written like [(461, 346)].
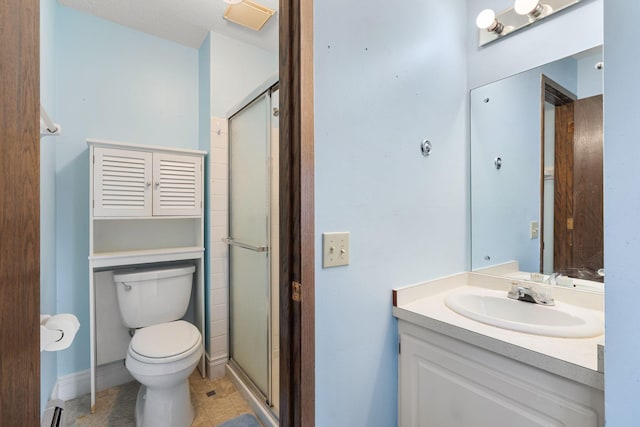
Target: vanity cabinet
[(146, 208), (144, 183), (444, 381)]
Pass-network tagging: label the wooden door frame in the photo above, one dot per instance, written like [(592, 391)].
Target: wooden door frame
[(297, 259), (557, 95), (20, 213)]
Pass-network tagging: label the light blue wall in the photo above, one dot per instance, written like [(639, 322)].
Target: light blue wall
[(589, 78), (505, 201), (386, 77), (204, 93), (111, 83), (48, 360), (204, 133), (237, 69), (565, 34), (621, 207)]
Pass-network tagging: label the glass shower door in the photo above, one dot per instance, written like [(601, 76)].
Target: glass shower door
[(248, 241)]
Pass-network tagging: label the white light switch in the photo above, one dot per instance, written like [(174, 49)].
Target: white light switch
[(534, 229), (335, 249)]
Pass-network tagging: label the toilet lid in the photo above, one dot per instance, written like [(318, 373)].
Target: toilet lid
[(165, 340)]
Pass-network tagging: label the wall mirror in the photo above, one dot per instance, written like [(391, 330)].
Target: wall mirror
[(536, 173)]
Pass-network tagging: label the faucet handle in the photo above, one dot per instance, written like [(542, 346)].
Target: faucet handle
[(516, 291)]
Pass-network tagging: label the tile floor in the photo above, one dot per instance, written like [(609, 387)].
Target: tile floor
[(115, 406)]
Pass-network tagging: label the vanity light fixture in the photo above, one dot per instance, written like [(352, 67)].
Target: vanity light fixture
[(233, 1), (493, 26)]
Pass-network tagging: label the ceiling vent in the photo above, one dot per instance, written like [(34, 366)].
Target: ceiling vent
[(248, 14)]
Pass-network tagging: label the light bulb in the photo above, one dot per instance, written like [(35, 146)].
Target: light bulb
[(233, 1), (532, 8), (486, 20)]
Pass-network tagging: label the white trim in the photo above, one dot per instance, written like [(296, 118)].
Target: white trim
[(55, 392), (216, 366), (73, 385), (79, 383), (141, 147), (262, 412)]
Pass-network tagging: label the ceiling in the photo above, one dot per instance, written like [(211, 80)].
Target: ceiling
[(183, 21)]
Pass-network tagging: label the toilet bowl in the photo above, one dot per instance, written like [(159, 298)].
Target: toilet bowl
[(164, 350), (161, 357)]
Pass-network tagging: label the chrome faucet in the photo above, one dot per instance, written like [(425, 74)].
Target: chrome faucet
[(527, 293), (553, 278)]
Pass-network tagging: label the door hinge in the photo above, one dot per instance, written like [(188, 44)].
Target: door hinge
[(93, 203), (94, 158), (296, 291), (399, 346)]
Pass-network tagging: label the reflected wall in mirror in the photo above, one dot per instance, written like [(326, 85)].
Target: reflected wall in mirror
[(536, 171)]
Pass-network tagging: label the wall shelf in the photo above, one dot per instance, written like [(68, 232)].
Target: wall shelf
[(145, 256)]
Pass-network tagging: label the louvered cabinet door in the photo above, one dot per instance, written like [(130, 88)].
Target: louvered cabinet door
[(177, 185), (122, 183)]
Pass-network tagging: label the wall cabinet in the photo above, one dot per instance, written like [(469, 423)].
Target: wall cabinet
[(146, 208), (142, 183), (447, 382)]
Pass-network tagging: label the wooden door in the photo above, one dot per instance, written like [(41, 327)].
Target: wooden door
[(578, 198), (588, 231), (19, 214)]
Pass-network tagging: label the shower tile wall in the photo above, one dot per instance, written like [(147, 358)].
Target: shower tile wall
[(219, 271)]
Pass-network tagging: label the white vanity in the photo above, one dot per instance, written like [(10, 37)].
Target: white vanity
[(456, 371)]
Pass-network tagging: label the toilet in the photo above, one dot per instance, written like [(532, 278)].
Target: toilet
[(164, 350)]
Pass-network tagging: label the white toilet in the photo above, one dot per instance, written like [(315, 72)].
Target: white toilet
[(164, 350)]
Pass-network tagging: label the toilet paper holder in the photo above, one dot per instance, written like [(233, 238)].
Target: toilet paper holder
[(57, 332)]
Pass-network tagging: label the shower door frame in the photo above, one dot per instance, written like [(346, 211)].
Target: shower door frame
[(265, 92)]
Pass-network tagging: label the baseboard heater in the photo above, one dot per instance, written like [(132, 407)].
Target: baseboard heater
[(54, 414)]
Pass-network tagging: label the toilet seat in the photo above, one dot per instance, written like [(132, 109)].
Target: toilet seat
[(165, 342)]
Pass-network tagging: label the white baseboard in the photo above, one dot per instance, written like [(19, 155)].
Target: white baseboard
[(216, 366), (79, 383), (111, 375), (54, 392), (72, 385)]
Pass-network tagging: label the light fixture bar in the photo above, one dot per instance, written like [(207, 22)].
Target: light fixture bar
[(523, 14)]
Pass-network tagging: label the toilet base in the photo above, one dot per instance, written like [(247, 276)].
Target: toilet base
[(164, 407)]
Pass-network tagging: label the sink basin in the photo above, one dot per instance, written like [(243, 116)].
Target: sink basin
[(494, 308)]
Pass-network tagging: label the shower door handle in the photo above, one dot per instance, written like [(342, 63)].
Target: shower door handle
[(231, 242)]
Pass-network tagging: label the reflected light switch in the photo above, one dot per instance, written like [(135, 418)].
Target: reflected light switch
[(534, 229)]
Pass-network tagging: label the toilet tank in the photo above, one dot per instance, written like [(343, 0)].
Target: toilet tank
[(148, 296)]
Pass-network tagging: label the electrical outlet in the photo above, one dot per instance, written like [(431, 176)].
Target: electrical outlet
[(534, 229), (335, 249)]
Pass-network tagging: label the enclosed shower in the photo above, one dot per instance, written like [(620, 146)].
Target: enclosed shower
[(253, 248)]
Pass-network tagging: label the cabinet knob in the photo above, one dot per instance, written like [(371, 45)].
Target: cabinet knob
[(157, 183), (148, 183)]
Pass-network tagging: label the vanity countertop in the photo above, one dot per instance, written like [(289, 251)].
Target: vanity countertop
[(573, 358)]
